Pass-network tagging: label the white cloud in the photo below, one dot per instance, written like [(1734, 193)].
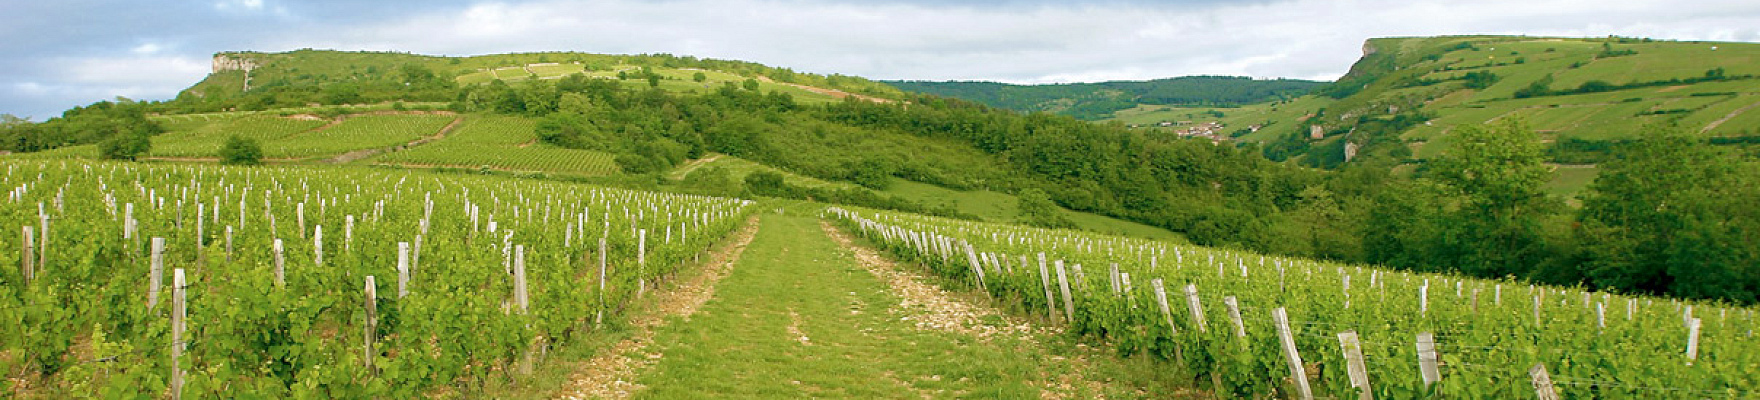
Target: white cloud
[(146, 49), (244, 5)]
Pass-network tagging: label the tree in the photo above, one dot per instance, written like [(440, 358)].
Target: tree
[(1496, 175), (699, 77), (653, 80), (751, 84), (1037, 209), (240, 150), (124, 146), (1673, 215)]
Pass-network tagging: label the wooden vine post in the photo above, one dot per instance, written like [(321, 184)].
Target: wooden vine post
[(372, 326), (27, 247), (1197, 308), (641, 262), (1161, 300), (1427, 359), (1298, 373), (229, 243), (179, 308), (1069, 304), (402, 269), (156, 275), (519, 279), (1354, 365), (1543, 389), (1045, 282), (280, 263), (1692, 340), (1234, 315), (599, 317)]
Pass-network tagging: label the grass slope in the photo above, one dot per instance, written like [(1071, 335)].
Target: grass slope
[(989, 205), (1645, 83), (500, 142), (1100, 99), (799, 317)]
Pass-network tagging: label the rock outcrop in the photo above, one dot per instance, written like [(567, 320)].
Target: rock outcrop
[(233, 62)]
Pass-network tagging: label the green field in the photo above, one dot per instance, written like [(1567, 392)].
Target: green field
[(681, 80), (500, 142), (1004, 208), (203, 139), (357, 133), (989, 205)]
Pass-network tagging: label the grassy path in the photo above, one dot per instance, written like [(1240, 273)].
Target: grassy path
[(801, 316)]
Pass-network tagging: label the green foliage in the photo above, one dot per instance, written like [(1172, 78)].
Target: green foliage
[(89, 124), (1479, 79), (124, 146), (240, 150), (1673, 216), (1553, 325), (1092, 101), (1038, 210), (84, 330)]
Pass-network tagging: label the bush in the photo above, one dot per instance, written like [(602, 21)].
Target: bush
[(124, 146), (239, 150)]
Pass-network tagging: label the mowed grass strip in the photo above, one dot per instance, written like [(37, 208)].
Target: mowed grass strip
[(800, 317)]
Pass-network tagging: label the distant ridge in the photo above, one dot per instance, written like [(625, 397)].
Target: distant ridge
[(1099, 100)]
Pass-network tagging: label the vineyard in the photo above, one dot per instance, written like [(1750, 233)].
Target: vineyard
[(1249, 324), (219, 282), (502, 142), (357, 133), (203, 139)]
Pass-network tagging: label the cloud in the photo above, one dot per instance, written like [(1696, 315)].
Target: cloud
[(154, 50), (239, 5)]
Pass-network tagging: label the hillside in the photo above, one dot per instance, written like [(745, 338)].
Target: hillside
[(750, 236), (1496, 208), (1406, 96), (1094, 101)]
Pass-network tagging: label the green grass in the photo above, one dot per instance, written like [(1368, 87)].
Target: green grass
[(737, 169), (1004, 208), (1568, 181), (501, 142), (793, 281), (989, 205), (679, 80)]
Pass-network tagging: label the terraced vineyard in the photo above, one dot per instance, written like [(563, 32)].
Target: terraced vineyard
[(501, 142), (203, 139), (357, 133), (1211, 313), (316, 282)]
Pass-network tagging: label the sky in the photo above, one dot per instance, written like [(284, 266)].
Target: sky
[(55, 54)]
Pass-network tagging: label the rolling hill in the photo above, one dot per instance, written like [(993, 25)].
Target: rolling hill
[(1094, 101), (1584, 96), (888, 239), (1406, 199)]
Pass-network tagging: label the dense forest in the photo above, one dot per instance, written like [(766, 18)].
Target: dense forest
[(1669, 214), (1094, 101)]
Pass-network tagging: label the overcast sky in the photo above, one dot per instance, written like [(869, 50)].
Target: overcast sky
[(55, 54)]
